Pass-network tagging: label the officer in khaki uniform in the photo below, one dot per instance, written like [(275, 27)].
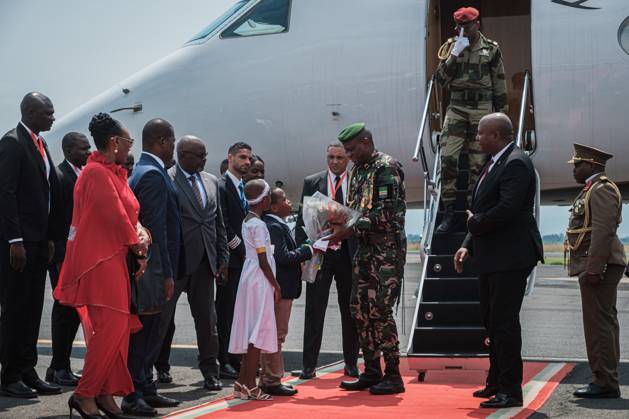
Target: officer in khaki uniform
[(597, 257), (471, 68)]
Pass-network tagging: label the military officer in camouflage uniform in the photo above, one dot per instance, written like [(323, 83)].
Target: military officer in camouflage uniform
[(597, 257), (376, 189), (471, 68)]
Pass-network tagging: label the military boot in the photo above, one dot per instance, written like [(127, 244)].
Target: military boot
[(371, 376), (391, 382), (448, 221)]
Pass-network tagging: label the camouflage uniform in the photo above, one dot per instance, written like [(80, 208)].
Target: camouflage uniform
[(476, 80), (377, 190)]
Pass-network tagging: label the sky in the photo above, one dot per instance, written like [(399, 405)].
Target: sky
[(72, 50)]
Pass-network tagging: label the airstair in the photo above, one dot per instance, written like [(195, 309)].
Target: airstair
[(447, 331)]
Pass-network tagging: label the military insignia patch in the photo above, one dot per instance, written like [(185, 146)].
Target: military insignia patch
[(484, 52), (383, 192)]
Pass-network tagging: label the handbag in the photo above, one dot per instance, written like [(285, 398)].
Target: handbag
[(133, 266)]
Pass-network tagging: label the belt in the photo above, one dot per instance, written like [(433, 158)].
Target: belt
[(472, 95), (380, 238)]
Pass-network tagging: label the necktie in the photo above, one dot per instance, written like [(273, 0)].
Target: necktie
[(196, 190), (485, 171), (243, 201), (40, 145), (338, 197)]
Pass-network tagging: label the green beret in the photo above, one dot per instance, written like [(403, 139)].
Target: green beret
[(351, 131)]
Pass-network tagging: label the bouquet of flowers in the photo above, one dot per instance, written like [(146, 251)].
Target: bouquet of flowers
[(320, 212)]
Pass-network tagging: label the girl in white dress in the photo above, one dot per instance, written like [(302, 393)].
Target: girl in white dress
[(254, 328)]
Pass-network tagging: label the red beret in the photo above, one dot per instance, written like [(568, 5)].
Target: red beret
[(465, 15)]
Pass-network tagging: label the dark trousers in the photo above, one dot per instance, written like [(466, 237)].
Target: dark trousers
[(601, 328), (64, 324), (21, 304), (337, 265), (225, 302), (141, 349), (200, 290), (501, 295)]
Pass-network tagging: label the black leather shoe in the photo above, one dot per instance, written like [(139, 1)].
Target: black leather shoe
[(157, 400), (501, 400), (43, 388), (279, 390), (486, 393), (229, 372), (18, 390), (448, 221), (212, 383), (308, 373), (164, 377), (363, 383), (138, 407), (63, 378), (390, 384), (351, 371), (594, 391)]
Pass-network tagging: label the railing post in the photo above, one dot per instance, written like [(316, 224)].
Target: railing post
[(525, 95)]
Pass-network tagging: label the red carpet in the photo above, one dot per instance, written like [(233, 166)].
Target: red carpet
[(444, 394)]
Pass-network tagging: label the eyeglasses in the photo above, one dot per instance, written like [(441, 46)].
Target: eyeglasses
[(197, 155), (128, 140)]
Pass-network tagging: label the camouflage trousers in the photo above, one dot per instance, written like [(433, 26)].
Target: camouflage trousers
[(376, 278), (459, 132)]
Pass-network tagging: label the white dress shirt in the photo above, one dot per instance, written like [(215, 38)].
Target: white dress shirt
[(344, 185), (197, 180)]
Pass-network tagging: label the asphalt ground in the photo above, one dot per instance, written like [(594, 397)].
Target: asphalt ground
[(552, 330)]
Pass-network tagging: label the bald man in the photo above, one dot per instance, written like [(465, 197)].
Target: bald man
[(28, 229), (159, 213), (206, 257), (505, 244)]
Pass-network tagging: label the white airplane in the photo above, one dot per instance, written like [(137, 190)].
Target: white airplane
[(287, 75)]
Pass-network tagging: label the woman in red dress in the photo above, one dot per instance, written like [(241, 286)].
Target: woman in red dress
[(95, 277)]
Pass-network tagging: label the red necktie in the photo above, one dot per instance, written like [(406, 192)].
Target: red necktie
[(39, 144), (485, 171)]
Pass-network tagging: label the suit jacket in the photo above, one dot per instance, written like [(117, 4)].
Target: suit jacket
[(317, 182), (29, 201), (503, 233), (159, 213), (288, 257), (601, 246), (203, 231), (67, 179), (233, 217)]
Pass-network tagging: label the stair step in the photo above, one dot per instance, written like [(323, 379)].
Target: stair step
[(442, 266), (449, 340), (449, 314), (446, 243), (450, 289)]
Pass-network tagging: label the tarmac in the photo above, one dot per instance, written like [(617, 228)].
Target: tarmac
[(551, 325)]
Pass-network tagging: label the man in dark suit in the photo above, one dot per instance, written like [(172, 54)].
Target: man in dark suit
[(206, 255), (337, 265), (159, 213), (65, 320), (288, 258), (28, 229), (234, 208), (505, 242)]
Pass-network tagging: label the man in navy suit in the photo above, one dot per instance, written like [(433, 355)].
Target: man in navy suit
[(505, 243), (159, 213), (234, 208), (28, 229), (288, 258), (64, 321)]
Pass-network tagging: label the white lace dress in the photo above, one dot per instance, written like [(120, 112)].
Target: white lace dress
[(254, 311)]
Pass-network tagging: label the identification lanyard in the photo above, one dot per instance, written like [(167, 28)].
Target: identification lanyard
[(332, 190)]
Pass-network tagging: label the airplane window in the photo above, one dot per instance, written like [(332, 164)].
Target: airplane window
[(218, 22), (623, 35), (268, 17)]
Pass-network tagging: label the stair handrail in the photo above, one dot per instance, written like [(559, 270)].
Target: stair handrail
[(420, 154), (526, 93)]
